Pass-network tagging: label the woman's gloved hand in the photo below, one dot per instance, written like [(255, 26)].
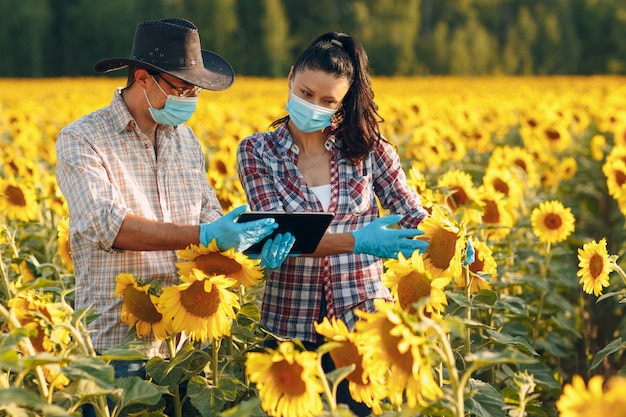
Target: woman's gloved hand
[(230, 234), (378, 240), (275, 251)]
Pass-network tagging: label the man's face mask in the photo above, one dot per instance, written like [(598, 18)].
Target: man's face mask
[(177, 109), (308, 117)]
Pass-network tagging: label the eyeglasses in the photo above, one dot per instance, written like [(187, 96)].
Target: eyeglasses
[(183, 91)]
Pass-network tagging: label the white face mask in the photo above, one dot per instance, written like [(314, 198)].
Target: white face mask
[(177, 110), (308, 117)]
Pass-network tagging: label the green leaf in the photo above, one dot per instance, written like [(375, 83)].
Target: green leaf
[(90, 368), (488, 297), (542, 374), (9, 358), (459, 299), (40, 359), (139, 391), (485, 400), (515, 305), (207, 399), (251, 311), (565, 323), (25, 399), (187, 363), (248, 408), (489, 357), (508, 340), (609, 349)]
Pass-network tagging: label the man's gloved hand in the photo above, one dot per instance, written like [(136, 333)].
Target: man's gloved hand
[(376, 239), (230, 234), (275, 251)]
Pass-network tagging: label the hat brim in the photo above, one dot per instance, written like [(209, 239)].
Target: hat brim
[(217, 74)]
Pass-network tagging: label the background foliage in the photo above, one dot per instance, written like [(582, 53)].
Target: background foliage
[(403, 37)]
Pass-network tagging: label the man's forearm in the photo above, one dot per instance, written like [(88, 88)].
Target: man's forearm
[(140, 234)]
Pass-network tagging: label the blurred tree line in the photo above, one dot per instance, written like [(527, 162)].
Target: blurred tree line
[(50, 38)]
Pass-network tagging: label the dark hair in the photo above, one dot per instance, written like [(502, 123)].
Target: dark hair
[(131, 73), (344, 56)]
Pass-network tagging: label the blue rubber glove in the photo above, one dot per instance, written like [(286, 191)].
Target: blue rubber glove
[(230, 234), (376, 239), (275, 251), (470, 253)]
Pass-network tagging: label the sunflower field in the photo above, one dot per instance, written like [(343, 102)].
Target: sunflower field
[(515, 309)]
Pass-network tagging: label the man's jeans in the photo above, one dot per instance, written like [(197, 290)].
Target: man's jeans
[(122, 369)]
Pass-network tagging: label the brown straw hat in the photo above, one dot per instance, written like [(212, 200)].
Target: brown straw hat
[(172, 46)]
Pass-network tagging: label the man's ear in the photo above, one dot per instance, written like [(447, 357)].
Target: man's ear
[(141, 77)]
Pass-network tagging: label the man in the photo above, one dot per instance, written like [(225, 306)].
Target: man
[(134, 177)]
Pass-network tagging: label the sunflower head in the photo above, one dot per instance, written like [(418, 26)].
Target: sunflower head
[(211, 261), (551, 222), (288, 381), (139, 307), (447, 241), (45, 319), (410, 282), (201, 305), (595, 266), (63, 240)]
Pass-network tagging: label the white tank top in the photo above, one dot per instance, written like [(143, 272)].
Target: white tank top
[(322, 192)]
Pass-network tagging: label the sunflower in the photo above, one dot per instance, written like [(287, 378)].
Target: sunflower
[(484, 264), (140, 307), (393, 347), (497, 217), (551, 222), (615, 172), (568, 167), (552, 175), (596, 145), (461, 194), (18, 201), (517, 160), (212, 261), (595, 266), (595, 399), (63, 244), (505, 182), (201, 305), (410, 281), (446, 244), (288, 381), (46, 320), (364, 387), (418, 183)]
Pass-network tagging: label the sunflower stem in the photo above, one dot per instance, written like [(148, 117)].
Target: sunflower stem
[(447, 357), (468, 310), (171, 347), (620, 271), (330, 394), (214, 362), (543, 269)]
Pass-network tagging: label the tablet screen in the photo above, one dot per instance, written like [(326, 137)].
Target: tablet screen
[(307, 227)]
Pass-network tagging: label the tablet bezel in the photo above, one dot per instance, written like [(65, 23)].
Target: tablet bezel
[(307, 227)]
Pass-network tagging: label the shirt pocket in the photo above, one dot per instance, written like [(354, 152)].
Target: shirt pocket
[(360, 193), (186, 187)]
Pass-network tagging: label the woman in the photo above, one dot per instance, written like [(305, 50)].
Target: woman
[(328, 154)]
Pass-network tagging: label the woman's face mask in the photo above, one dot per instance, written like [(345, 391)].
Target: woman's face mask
[(177, 110), (308, 117)]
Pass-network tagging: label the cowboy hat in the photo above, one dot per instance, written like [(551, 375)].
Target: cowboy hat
[(172, 46)]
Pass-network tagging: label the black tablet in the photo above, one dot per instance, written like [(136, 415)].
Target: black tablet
[(307, 227)]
